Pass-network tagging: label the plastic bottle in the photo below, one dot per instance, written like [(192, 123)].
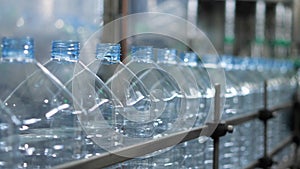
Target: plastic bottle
[(41, 102), (229, 148), (194, 150), (164, 79), (95, 97), (133, 116), (169, 61), (106, 65), (64, 59), (251, 87), (207, 65), (143, 65), (283, 86), (164, 94)]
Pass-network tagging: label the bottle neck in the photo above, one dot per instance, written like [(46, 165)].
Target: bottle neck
[(142, 54), (210, 61), (189, 59), (17, 49), (67, 51), (108, 53), (167, 56)]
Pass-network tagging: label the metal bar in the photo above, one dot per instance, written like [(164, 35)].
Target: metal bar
[(252, 165), (127, 153), (281, 107), (276, 150), (265, 138), (265, 122), (108, 159), (217, 108), (242, 119), (216, 153), (248, 117), (124, 30)]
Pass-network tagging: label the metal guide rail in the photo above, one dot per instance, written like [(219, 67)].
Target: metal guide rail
[(137, 150)]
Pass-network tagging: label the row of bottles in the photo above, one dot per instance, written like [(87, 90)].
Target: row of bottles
[(72, 108), (244, 95), (68, 110)]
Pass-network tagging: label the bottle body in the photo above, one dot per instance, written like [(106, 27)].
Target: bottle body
[(64, 60), (41, 103)]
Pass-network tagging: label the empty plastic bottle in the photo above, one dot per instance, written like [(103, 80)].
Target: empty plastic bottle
[(190, 96), (251, 97), (193, 151), (94, 96), (131, 118), (41, 102), (229, 148), (160, 107), (64, 59), (192, 62)]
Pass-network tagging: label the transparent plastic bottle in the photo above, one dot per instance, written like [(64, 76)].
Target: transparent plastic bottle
[(208, 154), (283, 86), (211, 66), (169, 61), (194, 150), (180, 155), (41, 102), (133, 116), (106, 65), (64, 58), (9, 141), (163, 84), (92, 94), (196, 96), (282, 94), (251, 87), (288, 88), (229, 144), (165, 95)]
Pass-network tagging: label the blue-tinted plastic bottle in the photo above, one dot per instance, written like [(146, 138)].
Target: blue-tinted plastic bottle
[(191, 61), (229, 147), (184, 107), (132, 112), (193, 153), (64, 60), (95, 97), (40, 101)]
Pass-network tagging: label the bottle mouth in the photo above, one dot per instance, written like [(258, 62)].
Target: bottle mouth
[(17, 48), (189, 58), (65, 50), (108, 52), (168, 56), (142, 53)]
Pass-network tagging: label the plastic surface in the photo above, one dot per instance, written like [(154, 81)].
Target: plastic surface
[(42, 105)]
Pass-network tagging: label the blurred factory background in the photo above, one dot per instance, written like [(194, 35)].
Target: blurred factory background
[(268, 28)]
